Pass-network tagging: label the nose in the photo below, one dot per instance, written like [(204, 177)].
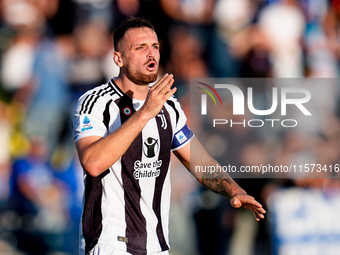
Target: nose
[(150, 53)]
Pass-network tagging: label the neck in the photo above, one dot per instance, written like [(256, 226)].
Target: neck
[(133, 90)]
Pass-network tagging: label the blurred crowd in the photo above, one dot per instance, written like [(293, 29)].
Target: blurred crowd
[(52, 51)]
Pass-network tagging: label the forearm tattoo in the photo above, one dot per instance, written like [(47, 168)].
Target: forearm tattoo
[(215, 182)]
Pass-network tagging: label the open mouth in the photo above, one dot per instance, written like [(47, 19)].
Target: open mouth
[(151, 65)]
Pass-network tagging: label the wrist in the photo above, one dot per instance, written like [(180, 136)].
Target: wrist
[(142, 116), (237, 191)]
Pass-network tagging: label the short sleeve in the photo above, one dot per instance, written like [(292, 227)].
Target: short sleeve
[(88, 124)]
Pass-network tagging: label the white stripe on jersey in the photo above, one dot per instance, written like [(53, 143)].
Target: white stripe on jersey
[(113, 208)]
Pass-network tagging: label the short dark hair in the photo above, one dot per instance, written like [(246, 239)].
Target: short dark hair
[(132, 22)]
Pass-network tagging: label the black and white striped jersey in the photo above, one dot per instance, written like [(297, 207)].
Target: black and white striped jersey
[(127, 206)]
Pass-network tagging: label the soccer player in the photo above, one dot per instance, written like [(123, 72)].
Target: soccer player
[(125, 131)]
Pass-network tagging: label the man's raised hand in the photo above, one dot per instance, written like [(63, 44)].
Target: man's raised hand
[(158, 94)]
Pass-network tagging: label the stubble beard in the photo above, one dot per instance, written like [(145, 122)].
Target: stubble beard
[(142, 79)]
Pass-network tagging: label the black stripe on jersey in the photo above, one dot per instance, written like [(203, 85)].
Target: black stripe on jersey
[(87, 101), (116, 88), (124, 103), (165, 136), (135, 221), (100, 93), (92, 215), (106, 114), (172, 104), (87, 106)]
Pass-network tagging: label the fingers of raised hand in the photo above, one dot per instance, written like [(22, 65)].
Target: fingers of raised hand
[(158, 94), (162, 89), (160, 80), (164, 84)]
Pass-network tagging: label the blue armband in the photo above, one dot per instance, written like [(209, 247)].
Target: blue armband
[(181, 137)]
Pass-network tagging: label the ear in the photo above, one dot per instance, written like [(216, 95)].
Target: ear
[(117, 58)]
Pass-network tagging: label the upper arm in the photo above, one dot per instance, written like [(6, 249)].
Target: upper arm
[(88, 127), (183, 154), (84, 143)]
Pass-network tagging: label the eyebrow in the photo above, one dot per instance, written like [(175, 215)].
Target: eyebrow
[(142, 44)]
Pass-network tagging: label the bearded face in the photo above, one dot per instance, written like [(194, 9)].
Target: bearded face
[(139, 77), (139, 52)]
